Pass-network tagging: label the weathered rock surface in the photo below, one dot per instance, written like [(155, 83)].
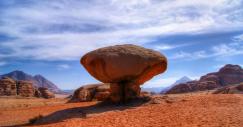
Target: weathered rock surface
[(126, 67), (37, 80), (91, 92), (7, 87), (25, 89), (231, 89), (240, 87), (228, 75), (10, 87), (45, 93)]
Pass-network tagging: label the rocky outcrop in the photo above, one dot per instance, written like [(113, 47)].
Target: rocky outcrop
[(45, 93), (25, 89), (37, 80), (7, 87), (240, 87), (10, 87), (100, 92), (232, 89), (125, 67), (184, 79), (228, 75)]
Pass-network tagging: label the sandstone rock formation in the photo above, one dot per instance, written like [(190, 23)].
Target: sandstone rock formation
[(231, 89), (37, 80), (91, 92), (10, 87), (45, 93), (240, 87), (25, 88), (7, 87), (126, 67), (37, 93), (228, 75)]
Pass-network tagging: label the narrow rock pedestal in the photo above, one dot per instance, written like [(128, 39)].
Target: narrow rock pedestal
[(124, 91)]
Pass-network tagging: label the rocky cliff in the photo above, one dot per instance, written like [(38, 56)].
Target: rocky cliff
[(23, 88), (227, 75), (37, 80)]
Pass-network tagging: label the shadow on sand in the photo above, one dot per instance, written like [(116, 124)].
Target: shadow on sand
[(85, 112)]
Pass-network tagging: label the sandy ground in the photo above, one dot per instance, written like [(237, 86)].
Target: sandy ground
[(168, 111)]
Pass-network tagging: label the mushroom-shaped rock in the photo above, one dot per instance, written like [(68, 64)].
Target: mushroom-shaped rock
[(126, 67)]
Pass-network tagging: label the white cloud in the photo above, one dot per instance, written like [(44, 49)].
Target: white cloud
[(169, 47), (63, 66), (227, 50), (191, 56), (65, 30), (2, 63), (221, 50), (238, 38)]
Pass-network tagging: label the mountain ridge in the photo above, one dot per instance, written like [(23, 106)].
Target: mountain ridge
[(37, 80), (227, 75), (183, 79)]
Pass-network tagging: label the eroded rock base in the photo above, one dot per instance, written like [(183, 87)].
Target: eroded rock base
[(124, 91)]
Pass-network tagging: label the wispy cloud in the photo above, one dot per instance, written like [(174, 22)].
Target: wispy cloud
[(190, 56), (2, 63), (63, 66), (66, 29), (238, 38), (221, 50), (163, 47)]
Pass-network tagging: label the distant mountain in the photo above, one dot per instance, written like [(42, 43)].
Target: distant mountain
[(37, 80), (164, 89), (68, 91), (184, 79), (227, 75), (43, 82), (153, 89), (181, 80)]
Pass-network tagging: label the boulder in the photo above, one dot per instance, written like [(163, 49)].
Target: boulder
[(91, 92), (126, 67), (7, 87), (102, 96), (45, 93), (25, 88)]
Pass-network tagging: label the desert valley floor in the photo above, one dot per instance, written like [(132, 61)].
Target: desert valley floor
[(186, 110)]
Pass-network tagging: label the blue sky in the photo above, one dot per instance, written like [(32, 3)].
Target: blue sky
[(49, 37)]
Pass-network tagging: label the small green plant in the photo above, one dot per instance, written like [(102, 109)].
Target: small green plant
[(33, 120)]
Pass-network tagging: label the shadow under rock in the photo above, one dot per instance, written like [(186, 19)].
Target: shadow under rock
[(84, 112)]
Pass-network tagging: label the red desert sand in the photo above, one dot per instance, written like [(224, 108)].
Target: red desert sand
[(187, 110)]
